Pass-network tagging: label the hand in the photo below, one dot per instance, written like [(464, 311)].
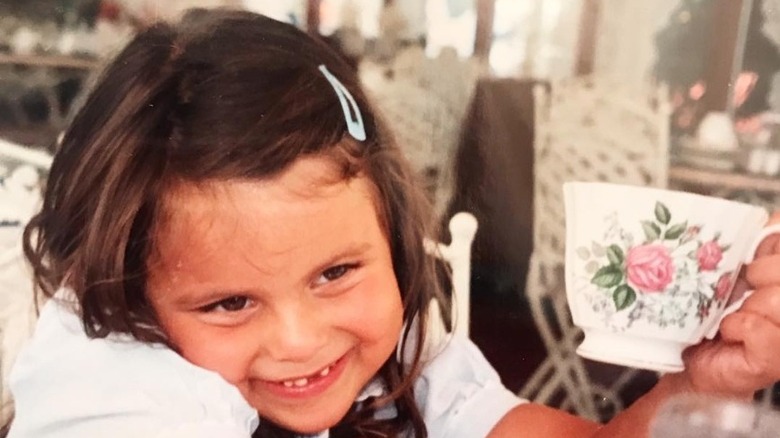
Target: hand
[(745, 357)]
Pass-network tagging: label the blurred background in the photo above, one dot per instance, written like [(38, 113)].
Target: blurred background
[(496, 103)]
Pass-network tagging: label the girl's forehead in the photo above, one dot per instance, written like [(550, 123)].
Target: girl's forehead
[(309, 187), (308, 177), (305, 182), (310, 201), (294, 219)]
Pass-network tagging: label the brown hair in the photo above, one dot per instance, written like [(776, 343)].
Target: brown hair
[(220, 95)]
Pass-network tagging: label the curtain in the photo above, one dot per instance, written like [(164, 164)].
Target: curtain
[(625, 51), (535, 38)]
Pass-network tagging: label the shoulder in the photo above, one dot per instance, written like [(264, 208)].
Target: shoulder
[(533, 420), (66, 384), (459, 392)]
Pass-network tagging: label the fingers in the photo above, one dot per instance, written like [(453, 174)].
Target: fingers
[(720, 367), (760, 339), (764, 302), (741, 285), (745, 356), (774, 218), (750, 328), (755, 331), (771, 244), (764, 271)]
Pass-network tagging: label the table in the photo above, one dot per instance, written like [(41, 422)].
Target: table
[(54, 61), (37, 92), (689, 175), (736, 185)]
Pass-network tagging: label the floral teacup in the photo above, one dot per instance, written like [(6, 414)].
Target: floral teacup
[(651, 271)]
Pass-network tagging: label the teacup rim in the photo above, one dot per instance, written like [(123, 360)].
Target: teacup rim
[(659, 190)]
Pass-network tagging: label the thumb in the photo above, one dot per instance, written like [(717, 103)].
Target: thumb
[(770, 244)]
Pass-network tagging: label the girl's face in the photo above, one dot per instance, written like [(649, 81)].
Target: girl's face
[(284, 287)]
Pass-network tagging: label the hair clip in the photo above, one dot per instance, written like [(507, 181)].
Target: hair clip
[(354, 125)]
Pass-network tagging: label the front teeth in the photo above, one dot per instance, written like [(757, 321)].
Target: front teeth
[(298, 382), (305, 380)]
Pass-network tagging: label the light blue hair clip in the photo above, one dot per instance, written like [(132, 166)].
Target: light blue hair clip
[(354, 125)]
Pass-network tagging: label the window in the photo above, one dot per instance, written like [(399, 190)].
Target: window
[(450, 23), (290, 11)]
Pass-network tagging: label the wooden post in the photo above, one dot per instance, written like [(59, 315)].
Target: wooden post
[(313, 17), (720, 62), (586, 43), (484, 32)]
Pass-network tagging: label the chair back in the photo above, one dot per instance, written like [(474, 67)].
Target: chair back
[(591, 131), (584, 131), (457, 254), (424, 101), (20, 197)]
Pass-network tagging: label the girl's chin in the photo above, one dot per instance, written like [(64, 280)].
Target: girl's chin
[(305, 424), (310, 416)]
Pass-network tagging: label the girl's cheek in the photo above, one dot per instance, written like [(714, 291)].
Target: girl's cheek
[(375, 309), (226, 352)]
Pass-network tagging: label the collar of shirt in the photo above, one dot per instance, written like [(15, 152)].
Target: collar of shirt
[(375, 388)]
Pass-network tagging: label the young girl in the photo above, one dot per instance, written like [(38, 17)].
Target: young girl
[(232, 247)]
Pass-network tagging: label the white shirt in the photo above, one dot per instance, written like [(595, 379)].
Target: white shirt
[(66, 385)]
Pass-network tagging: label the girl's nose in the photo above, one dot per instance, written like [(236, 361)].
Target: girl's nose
[(297, 335)]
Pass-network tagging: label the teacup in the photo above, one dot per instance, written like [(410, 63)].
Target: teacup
[(650, 272)]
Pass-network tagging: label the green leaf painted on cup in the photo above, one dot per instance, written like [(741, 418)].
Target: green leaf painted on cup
[(615, 255), (662, 213), (623, 296), (583, 253), (652, 231), (675, 231), (608, 276)]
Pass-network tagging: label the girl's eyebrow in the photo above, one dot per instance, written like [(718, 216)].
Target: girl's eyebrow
[(353, 250), (197, 299)]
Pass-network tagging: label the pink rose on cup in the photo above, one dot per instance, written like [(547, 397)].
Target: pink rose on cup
[(709, 255), (723, 286), (649, 267)]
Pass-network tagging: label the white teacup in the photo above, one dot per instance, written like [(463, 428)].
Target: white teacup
[(650, 272)]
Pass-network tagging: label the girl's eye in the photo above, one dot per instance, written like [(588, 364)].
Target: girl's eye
[(334, 273), (232, 304)]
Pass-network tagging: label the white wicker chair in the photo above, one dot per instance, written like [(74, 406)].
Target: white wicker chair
[(424, 101), (19, 198), (584, 131), (457, 254)]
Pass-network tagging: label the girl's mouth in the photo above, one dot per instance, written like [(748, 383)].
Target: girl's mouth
[(310, 385), (303, 381)]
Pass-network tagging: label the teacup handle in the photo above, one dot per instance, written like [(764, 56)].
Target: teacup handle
[(733, 307)]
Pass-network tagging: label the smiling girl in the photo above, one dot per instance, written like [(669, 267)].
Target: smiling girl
[(232, 246)]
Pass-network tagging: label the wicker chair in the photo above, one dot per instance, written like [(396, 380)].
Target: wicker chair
[(20, 174), (457, 254), (584, 131), (424, 101)]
